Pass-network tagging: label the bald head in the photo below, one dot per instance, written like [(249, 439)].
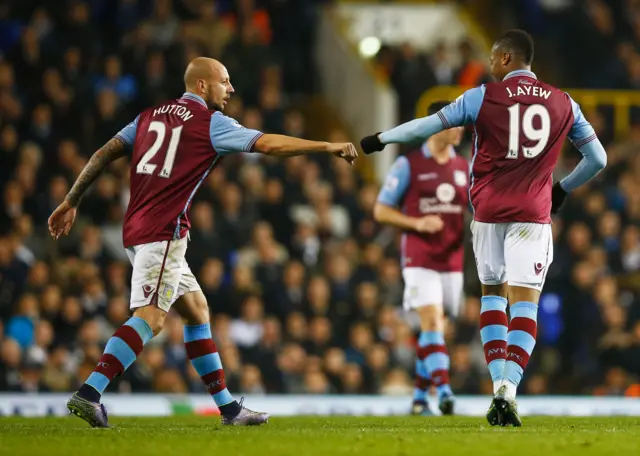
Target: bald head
[(200, 68), (209, 79)]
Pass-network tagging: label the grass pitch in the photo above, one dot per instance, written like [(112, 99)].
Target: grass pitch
[(326, 436)]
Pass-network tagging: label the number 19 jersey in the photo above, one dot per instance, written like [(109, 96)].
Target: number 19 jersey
[(520, 125), (175, 146)]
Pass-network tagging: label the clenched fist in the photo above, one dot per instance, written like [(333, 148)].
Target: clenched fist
[(346, 151)]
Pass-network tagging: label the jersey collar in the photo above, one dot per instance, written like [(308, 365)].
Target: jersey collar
[(427, 153), (516, 73), (194, 97)]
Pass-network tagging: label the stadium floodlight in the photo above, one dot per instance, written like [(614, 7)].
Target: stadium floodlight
[(369, 46)]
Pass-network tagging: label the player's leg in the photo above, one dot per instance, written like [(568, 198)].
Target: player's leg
[(420, 404), (156, 274), (423, 292), (452, 283), (528, 253), (203, 352), (488, 249)]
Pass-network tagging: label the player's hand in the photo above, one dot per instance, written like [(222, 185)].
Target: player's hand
[(429, 224), (62, 219), (558, 195), (346, 151), (371, 144)]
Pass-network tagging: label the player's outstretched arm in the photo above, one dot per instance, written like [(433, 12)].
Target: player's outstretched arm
[(229, 137), (461, 112), (414, 131), (288, 146)]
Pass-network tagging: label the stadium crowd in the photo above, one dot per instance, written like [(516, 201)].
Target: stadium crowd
[(304, 287)]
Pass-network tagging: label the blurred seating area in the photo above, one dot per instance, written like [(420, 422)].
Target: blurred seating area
[(304, 288), (594, 43)]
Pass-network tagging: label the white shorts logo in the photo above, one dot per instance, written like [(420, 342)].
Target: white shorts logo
[(413, 292), (445, 192), (168, 292), (460, 178), (147, 290)]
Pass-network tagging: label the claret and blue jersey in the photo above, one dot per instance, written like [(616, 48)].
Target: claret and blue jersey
[(175, 146), (519, 128), (226, 134), (420, 186)]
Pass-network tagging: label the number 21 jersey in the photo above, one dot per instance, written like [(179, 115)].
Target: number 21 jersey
[(520, 125), (175, 146)]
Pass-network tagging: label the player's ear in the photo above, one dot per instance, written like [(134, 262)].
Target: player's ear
[(506, 58)]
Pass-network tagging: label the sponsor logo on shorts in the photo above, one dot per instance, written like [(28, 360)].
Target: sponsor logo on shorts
[(413, 292), (539, 267), (147, 290)]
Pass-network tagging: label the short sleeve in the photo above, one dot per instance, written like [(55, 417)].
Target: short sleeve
[(128, 134), (229, 137), (464, 109), (396, 182)]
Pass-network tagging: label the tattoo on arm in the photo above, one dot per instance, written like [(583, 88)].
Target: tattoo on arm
[(108, 153)]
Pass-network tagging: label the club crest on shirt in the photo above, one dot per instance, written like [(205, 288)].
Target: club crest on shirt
[(445, 192), (460, 178)]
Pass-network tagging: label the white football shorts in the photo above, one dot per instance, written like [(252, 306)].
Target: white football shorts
[(426, 287), (160, 273), (516, 253)]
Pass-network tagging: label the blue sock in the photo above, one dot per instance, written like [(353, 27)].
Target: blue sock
[(520, 340), (493, 333), (422, 382), (203, 353), (121, 351), (436, 360)]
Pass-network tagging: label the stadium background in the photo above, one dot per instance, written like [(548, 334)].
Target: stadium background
[(304, 287)]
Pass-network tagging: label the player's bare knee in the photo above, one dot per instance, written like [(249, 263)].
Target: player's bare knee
[(193, 308), (431, 318), (199, 316), (495, 290), (154, 317), (523, 294)]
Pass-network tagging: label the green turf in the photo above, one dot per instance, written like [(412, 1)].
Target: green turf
[(326, 436)]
